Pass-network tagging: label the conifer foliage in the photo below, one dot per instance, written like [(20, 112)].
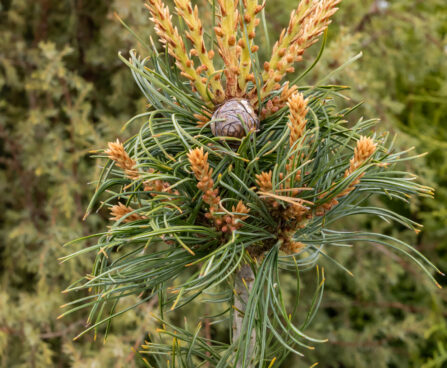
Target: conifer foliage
[(202, 217)]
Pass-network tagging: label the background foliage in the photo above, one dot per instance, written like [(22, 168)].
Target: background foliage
[(63, 92)]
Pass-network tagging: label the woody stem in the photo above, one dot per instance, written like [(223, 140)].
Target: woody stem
[(243, 285)]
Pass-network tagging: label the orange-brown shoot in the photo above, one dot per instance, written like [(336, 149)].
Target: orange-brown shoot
[(364, 149), (203, 173), (175, 45), (248, 24), (117, 153), (306, 24), (120, 210), (264, 181), (158, 186), (291, 247), (297, 117), (191, 17), (228, 47)]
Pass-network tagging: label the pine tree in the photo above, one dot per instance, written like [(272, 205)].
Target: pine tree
[(235, 179)]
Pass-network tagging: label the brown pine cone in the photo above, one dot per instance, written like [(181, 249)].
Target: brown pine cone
[(234, 118)]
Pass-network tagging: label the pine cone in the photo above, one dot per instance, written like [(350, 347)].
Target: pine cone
[(234, 118)]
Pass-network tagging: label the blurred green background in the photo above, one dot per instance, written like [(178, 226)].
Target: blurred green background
[(63, 92)]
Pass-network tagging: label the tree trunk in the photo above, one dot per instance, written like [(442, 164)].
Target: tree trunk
[(240, 301)]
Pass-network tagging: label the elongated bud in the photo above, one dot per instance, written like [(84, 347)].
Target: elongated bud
[(117, 153)]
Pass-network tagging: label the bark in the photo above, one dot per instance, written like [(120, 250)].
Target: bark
[(240, 301)]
